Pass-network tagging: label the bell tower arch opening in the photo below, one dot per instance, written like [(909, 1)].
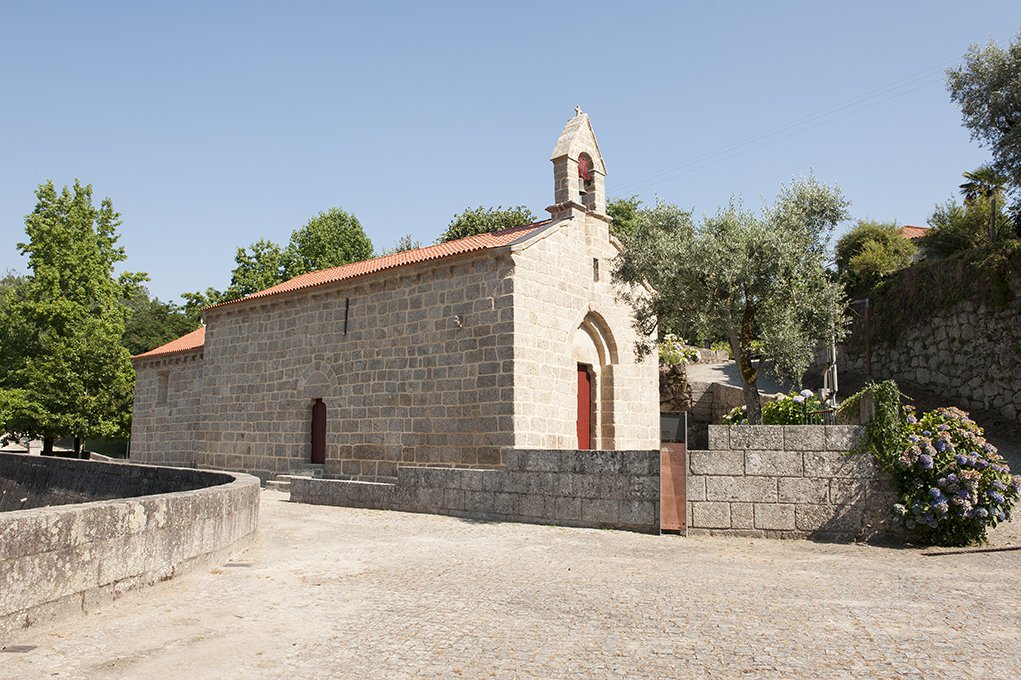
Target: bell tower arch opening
[(578, 169)]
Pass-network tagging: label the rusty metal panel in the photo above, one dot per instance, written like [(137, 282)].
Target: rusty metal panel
[(673, 476)]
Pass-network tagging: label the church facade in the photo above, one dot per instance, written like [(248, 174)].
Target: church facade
[(443, 356)]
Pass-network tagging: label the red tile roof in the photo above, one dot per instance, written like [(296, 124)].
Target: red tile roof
[(913, 232), (194, 340), (378, 264)]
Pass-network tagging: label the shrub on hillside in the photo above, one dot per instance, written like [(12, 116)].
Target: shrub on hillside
[(869, 253), (797, 408)]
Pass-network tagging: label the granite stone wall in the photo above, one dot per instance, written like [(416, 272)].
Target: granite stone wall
[(61, 561), (567, 311), (437, 364), (787, 482), (600, 489), (414, 366), (971, 355), (166, 428), (36, 481)]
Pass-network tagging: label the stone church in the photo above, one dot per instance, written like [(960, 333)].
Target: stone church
[(443, 356)]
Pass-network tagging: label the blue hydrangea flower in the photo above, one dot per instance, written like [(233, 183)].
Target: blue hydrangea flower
[(926, 461)]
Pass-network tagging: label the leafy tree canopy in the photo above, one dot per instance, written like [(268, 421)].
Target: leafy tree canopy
[(257, 267), (406, 242), (624, 212), (152, 323), (957, 227), (987, 87), (742, 277), (64, 370), (869, 253), (329, 239), (484, 220)]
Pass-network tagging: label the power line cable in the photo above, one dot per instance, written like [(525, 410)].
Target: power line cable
[(798, 125)]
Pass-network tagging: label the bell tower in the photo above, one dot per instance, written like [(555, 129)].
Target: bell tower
[(578, 169)]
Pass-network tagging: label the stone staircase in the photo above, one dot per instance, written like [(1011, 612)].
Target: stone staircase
[(282, 481)]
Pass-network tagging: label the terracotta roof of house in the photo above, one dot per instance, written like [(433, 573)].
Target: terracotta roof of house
[(378, 264), (194, 340), (913, 232)]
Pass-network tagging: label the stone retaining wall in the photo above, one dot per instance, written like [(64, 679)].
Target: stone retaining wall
[(35, 481), (599, 489), (787, 482), (62, 561), (971, 356)]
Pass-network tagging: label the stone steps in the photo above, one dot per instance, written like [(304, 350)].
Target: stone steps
[(282, 481)]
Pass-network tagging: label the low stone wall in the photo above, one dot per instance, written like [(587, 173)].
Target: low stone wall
[(787, 482), (64, 560), (709, 403), (599, 489), (36, 481)]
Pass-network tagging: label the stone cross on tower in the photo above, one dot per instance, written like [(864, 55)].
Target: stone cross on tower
[(578, 169)]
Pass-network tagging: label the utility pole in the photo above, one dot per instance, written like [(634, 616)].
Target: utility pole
[(868, 335)]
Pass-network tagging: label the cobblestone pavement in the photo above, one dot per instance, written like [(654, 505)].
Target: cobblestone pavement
[(342, 593)]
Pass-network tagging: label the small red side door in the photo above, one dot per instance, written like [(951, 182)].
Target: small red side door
[(319, 432), (584, 407)]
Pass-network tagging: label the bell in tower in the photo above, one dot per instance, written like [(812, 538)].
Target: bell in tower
[(578, 168)]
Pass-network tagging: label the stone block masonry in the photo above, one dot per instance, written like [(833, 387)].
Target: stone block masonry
[(970, 356), (787, 482), (597, 489), (60, 561)]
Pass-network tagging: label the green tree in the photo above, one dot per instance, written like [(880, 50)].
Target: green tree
[(957, 227), (152, 323), (406, 242), (871, 252), (741, 277), (985, 183), (257, 267), (64, 369), (987, 87), (481, 220), (329, 239), (624, 212), (196, 301)]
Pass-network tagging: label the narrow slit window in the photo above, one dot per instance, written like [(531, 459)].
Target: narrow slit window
[(347, 311), (162, 388), (595, 269)]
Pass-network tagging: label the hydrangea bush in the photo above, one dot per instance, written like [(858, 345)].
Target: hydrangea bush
[(954, 484), (796, 408), (673, 349)]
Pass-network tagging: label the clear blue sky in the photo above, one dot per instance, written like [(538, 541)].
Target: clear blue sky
[(211, 125)]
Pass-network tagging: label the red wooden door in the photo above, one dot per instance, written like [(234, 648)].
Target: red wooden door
[(319, 432), (584, 407)]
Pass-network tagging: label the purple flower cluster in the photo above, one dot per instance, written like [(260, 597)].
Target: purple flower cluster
[(954, 483)]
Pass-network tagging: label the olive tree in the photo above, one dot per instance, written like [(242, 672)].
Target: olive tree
[(743, 277)]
